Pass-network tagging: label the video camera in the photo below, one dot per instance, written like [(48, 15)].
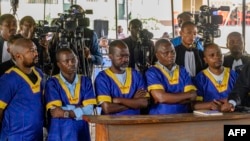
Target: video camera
[(74, 18), (208, 22), (42, 28), (72, 33), (144, 50), (144, 37)]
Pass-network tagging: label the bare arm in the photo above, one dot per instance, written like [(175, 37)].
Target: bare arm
[(138, 101), (109, 108), (227, 107), (160, 96), (132, 103), (58, 112), (206, 106), (121, 104)]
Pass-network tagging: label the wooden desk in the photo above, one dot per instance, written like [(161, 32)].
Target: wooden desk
[(179, 127)]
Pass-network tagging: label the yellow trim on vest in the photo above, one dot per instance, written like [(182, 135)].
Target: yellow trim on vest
[(53, 103), (147, 94), (123, 88), (199, 98), (155, 87), (224, 84), (2, 104), (34, 87), (189, 88), (172, 80), (76, 98), (88, 102), (104, 98), (9, 70)]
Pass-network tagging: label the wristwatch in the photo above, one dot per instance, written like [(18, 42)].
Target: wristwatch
[(66, 114)]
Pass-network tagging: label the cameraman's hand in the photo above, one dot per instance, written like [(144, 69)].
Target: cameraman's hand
[(87, 52)]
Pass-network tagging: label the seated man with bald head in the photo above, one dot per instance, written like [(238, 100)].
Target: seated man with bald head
[(168, 83), (120, 89), (10, 63), (21, 107)]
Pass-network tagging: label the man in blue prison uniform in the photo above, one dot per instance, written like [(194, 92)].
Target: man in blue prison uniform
[(169, 84), (68, 97), (21, 107), (215, 82), (120, 90)]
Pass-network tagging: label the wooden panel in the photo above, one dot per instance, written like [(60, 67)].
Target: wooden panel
[(139, 119), (182, 131), (102, 133), (179, 127)]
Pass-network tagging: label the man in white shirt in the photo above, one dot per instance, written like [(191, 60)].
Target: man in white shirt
[(8, 27)]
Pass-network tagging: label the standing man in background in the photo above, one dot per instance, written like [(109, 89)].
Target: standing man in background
[(27, 27), (8, 27), (136, 45), (182, 18), (237, 57), (188, 55)]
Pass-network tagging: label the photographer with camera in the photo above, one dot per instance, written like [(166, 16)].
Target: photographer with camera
[(72, 32), (27, 29), (140, 46)]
